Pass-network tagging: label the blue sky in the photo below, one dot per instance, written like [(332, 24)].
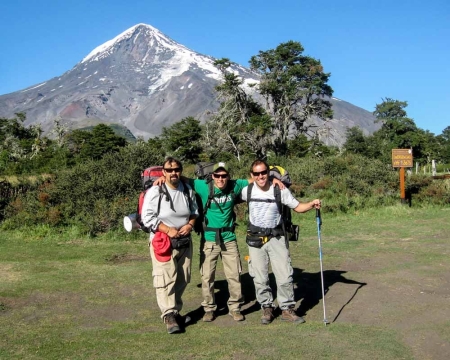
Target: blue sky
[(373, 49)]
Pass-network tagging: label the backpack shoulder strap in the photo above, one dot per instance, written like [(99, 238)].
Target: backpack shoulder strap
[(211, 198), (164, 192), (187, 195), (249, 191), (277, 194)]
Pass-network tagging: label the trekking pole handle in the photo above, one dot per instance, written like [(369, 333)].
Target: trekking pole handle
[(319, 219)]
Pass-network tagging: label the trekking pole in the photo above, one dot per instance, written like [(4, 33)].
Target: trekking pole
[(319, 223)]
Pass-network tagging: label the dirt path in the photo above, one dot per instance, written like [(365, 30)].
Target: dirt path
[(416, 306)]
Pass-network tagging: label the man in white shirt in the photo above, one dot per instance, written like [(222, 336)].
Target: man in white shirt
[(267, 242)]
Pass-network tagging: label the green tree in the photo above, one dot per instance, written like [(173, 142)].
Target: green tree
[(96, 143), (295, 89), (443, 141), (241, 125), (356, 141), (60, 131), (299, 146), (76, 139), (15, 137), (182, 139), (399, 131)]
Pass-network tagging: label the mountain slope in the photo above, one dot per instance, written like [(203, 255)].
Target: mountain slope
[(143, 80)]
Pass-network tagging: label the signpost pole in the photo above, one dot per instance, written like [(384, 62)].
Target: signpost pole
[(402, 185)]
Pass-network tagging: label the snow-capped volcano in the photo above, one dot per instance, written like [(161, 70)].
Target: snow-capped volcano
[(172, 58), (141, 79)]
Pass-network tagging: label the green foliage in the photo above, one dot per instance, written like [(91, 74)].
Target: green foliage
[(343, 182), (100, 141), (24, 150), (355, 141), (181, 140), (13, 196), (16, 141), (424, 189), (241, 125), (400, 132), (444, 144), (119, 130), (397, 131), (294, 87), (96, 194), (299, 146)]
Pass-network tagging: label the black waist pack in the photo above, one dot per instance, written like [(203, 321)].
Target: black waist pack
[(256, 240), (180, 243)]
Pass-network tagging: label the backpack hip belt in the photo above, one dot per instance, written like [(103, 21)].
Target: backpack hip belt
[(269, 232), (219, 231), (257, 236)]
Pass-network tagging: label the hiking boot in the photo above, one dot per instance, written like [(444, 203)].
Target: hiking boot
[(236, 315), (291, 316), (171, 323), (209, 316), (267, 316)]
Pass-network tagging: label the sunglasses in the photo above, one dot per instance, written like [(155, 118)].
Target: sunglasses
[(177, 170), (220, 176), (257, 173)]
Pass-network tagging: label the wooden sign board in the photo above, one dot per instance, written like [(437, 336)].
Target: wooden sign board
[(402, 158)]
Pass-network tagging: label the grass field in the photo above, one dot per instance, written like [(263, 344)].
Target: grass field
[(387, 280)]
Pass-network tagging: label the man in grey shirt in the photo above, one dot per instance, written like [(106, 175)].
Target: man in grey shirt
[(267, 242), (169, 212)]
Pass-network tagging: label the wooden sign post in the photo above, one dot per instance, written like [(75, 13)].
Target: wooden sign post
[(402, 158)]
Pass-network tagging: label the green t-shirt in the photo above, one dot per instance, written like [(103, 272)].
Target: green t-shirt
[(216, 217)]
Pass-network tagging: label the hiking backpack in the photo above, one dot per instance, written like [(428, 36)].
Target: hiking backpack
[(290, 230), (204, 170), (148, 177)]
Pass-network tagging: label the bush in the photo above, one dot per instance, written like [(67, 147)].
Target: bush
[(95, 194)]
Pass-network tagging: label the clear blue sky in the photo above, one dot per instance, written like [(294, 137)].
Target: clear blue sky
[(373, 49)]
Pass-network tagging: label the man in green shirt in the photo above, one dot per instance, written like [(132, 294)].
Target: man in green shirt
[(220, 239)]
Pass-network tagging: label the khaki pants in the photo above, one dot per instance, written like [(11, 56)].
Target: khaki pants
[(170, 279), (232, 267)]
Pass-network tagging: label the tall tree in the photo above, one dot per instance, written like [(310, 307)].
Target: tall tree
[(95, 143), (15, 138), (400, 131), (241, 125), (356, 141), (444, 142), (182, 139), (397, 130), (295, 89)]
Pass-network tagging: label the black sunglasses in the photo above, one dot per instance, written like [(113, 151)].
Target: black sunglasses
[(257, 173), (220, 176), (173, 170)]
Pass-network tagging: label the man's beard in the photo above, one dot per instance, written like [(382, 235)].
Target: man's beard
[(175, 181)]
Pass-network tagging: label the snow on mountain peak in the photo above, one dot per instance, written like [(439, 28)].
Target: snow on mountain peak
[(102, 50), (181, 58)]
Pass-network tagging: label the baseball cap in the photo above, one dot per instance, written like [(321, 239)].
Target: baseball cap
[(221, 165), (162, 247)]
